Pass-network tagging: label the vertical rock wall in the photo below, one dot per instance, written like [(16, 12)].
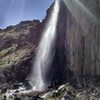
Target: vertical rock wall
[(82, 39), (77, 43)]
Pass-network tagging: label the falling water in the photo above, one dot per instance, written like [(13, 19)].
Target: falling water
[(44, 54)]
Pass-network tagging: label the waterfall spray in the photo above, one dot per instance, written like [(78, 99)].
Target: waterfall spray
[(44, 54)]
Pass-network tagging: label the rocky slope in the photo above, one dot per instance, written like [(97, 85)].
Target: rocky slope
[(17, 47)]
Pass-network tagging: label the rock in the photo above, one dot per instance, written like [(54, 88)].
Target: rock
[(16, 86), (27, 85), (17, 98), (47, 95), (4, 98), (83, 96), (93, 98), (9, 28), (50, 95), (36, 97), (0, 30), (64, 92), (66, 96), (67, 88), (4, 90)]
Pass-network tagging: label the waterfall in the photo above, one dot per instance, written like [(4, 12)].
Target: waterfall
[(44, 54)]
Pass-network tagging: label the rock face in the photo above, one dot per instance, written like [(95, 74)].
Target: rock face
[(82, 39), (77, 42), (17, 48)]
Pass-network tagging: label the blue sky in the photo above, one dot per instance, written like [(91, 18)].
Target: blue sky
[(14, 11)]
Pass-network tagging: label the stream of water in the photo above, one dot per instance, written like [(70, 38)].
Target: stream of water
[(44, 54)]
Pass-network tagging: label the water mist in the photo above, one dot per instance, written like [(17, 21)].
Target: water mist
[(44, 54)]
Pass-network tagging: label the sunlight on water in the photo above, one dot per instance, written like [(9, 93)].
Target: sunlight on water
[(44, 54)]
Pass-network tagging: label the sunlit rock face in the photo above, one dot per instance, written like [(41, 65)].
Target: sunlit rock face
[(17, 49), (82, 36)]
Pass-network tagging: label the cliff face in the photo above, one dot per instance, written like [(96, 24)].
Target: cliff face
[(77, 42), (82, 39)]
